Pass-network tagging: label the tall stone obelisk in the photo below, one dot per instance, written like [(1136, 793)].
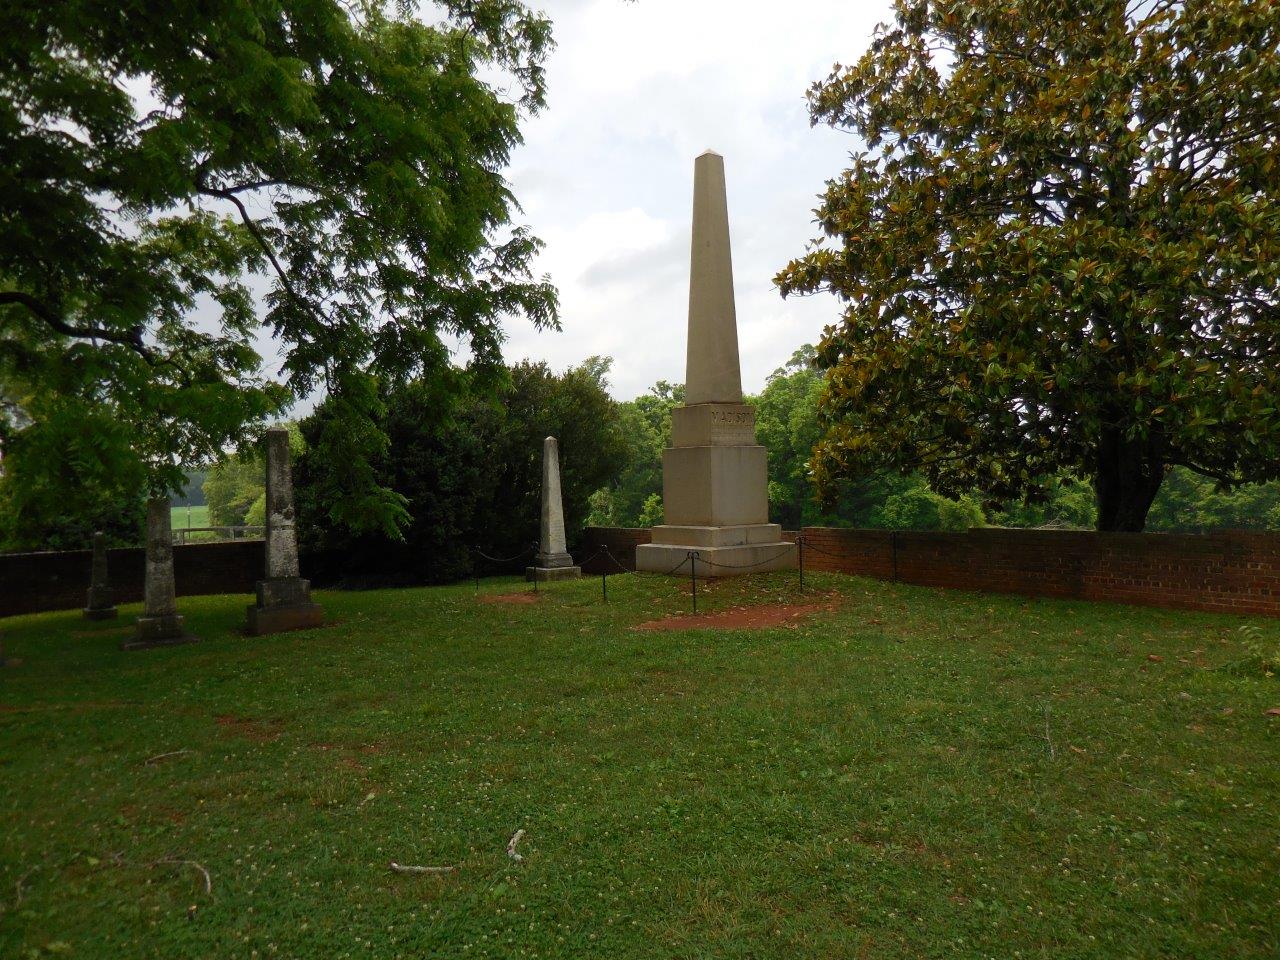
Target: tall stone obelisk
[(552, 561), (160, 624), (100, 605), (284, 598), (715, 488)]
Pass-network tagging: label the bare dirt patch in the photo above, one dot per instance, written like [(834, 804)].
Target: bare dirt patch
[(740, 618), (515, 598), (259, 731)]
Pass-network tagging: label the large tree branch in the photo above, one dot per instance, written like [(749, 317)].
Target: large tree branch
[(1225, 479), (260, 238), (131, 338), (261, 185)]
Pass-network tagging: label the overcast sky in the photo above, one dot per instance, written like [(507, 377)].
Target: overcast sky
[(636, 91)]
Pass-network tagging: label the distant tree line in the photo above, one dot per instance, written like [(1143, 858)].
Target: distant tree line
[(789, 422), (465, 459)]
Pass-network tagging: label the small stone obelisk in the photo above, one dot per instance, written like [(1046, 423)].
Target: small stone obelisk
[(100, 604), (160, 625), (284, 598), (552, 561), (715, 489)]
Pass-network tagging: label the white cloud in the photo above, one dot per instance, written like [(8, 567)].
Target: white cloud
[(637, 90), (605, 178)]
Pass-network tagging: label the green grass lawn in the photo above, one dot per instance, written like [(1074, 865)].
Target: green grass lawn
[(910, 774), (199, 517)]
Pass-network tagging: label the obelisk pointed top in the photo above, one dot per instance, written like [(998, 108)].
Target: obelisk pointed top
[(712, 373)]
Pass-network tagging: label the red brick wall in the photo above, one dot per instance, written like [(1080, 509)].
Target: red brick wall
[(1233, 572), (31, 582)]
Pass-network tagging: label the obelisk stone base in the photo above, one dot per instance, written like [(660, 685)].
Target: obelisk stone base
[(284, 603), (165, 631), (722, 551), (100, 613), (544, 574)]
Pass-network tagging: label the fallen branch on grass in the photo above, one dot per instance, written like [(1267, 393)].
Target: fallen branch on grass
[(511, 846), (413, 868), (164, 756), (208, 881), (1053, 754), (18, 887)]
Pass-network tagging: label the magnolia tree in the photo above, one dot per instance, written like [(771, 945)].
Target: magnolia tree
[(180, 179), (1058, 250)]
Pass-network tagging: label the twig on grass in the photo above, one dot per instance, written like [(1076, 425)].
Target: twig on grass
[(17, 900), (164, 756), (511, 846), (208, 881), (1053, 754), (414, 868)]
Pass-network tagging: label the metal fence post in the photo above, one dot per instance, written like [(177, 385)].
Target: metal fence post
[(800, 545), (693, 578)]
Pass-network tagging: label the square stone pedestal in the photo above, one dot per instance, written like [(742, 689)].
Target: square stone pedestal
[(284, 603), (722, 551), (167, 631), (544, 574), (715, 485), (100, 613), (552, 566)]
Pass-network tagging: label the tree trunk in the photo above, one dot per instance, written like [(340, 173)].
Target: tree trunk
[(1129, 474)]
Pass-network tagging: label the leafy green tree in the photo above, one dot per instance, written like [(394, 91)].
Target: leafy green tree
[(232, 487), (1190, 503), (1067, 503), (651, 513), (256, 515), (787, 426), (645, 423), (469, 468), (237, 483), (919, 508), (575, 407), (347, 152), (55, 492), (1059, 249)]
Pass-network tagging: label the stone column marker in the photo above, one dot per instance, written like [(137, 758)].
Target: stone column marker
[(100, 604), (715, 490), (552, 562), (160, 625), (284, 598)]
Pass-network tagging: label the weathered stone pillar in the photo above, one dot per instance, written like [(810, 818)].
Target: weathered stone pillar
[(100, 604), (160, 625), (552, 561), (284, 598), (715, 489)]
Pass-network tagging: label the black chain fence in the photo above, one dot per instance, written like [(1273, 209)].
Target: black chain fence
[(691, 559)]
